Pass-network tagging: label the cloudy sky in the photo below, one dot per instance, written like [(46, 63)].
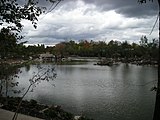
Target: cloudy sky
[(98, 20)]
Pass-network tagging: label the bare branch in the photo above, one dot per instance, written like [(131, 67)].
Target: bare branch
[(154, 24)]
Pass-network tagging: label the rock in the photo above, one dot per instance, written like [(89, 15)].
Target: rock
[(77, 117)]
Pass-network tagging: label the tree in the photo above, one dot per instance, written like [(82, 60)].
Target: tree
[(114, 49), (43, 74), (157, 104), (8, 42), (13, 12)]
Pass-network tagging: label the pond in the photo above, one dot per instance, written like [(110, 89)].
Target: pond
[(120, 92)]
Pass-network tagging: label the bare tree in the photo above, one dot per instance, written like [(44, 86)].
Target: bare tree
[(156, 115), (157, 104), (43, 74)]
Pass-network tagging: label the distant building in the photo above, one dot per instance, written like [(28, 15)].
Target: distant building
[(47, 57)]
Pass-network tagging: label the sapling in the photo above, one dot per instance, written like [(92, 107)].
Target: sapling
[(43, 74)]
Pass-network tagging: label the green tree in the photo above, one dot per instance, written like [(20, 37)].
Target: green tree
[(13, 12), (8, 43), (113, 49), (126, 50)]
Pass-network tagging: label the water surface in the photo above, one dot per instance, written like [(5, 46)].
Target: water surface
[(119, 92)]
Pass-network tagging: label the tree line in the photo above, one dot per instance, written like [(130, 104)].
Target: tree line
[(114, 49), (12, 12), (11, 48)]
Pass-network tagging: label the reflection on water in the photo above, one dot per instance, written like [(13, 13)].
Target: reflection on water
[(104, 93)]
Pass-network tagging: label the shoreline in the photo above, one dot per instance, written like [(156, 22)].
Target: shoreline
[(135, 61), (34, 109)]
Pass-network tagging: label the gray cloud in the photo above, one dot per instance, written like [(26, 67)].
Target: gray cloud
[(93, 19), (129, 8)]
